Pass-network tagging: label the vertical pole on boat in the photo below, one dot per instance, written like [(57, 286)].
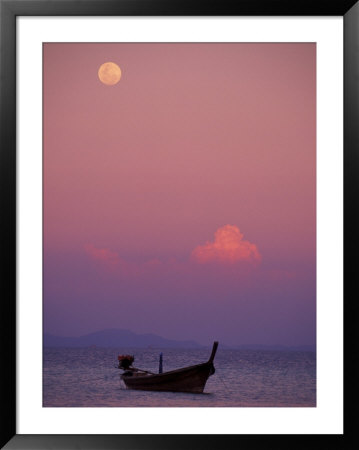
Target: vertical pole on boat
[(160, 368)]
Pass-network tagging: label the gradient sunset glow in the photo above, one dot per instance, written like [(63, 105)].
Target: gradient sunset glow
[(181, 200)]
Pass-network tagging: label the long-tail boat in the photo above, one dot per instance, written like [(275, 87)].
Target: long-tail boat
[(188, 379)]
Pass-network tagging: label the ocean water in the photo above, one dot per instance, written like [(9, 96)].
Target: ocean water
[(88, 377)]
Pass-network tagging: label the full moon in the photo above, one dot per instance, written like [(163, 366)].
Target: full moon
[(109, 73)]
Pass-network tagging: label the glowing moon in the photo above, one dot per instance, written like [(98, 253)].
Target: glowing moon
[(109, 73)]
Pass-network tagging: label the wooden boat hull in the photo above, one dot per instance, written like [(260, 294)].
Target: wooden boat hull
[(189, 379)]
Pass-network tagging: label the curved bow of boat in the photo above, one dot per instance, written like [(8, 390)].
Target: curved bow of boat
[(214, 350)]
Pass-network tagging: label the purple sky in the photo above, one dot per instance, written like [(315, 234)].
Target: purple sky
[(181, 200)]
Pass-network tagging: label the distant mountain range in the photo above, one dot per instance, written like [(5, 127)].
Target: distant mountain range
[(117, 338), (125, 338)]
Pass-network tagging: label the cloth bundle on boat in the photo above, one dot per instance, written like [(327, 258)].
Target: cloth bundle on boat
[(125, 361)]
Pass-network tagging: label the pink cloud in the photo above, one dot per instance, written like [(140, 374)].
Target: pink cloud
[(228, 246), (112, 261), (105, 256)]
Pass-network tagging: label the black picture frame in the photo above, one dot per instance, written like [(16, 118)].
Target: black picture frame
[(9, 10)]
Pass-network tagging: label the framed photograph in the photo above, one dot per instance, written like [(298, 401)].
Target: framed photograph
[(173, 188)]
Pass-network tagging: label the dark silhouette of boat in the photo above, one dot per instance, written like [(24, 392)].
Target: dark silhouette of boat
[(188, 379)]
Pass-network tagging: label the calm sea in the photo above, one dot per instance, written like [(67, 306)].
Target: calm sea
[(88, 377)]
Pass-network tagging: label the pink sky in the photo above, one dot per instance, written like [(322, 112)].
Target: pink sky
[(190, 180)]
